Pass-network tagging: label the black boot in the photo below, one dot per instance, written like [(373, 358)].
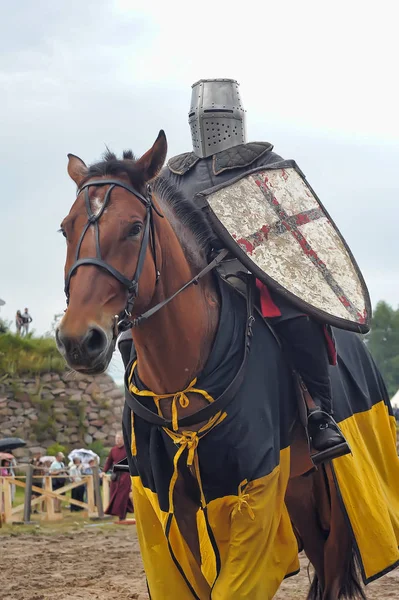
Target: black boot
[(326, 437)]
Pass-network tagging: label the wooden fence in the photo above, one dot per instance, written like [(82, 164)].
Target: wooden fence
[(94, 506)]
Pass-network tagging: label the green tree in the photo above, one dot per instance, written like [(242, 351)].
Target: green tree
[(383, 343), (4, 326)]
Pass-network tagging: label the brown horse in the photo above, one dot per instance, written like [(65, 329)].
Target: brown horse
[(116, 229)]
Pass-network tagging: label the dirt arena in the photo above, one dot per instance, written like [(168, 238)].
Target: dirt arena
[(103, 563)]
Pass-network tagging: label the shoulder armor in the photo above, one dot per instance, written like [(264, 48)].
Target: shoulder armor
[(239, 156), (182, 163)]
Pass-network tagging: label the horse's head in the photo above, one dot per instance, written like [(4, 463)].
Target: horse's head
[(108, 231)]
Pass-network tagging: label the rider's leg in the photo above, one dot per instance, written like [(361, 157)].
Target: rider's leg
[(305, 345)]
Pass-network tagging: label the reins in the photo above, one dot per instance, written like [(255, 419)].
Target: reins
[(125, 321)]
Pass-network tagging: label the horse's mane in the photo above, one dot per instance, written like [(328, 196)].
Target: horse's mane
[(189, 222), (113, 166)]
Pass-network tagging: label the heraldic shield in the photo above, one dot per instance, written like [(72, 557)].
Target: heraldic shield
[(272, 221)]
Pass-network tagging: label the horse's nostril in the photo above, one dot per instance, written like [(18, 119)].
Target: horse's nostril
[(95, 341), (62, 342), (58, 339)]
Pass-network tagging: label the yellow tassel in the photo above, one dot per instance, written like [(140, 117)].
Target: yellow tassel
[(243, 500), (175, 424)]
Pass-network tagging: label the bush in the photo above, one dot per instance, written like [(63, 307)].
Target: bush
[(98, 448), (29, 355), (54, 448), (4, 326)]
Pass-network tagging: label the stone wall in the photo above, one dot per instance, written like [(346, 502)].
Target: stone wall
[(69, 408)]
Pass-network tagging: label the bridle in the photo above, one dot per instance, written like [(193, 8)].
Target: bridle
[(125, 321), (148, 237)]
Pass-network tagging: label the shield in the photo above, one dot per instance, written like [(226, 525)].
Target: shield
[(273, 222)]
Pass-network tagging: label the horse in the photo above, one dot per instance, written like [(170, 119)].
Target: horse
[(197, 542)]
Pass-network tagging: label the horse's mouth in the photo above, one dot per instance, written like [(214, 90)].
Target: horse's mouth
[(92, 369), (86, 365), (89, 370)]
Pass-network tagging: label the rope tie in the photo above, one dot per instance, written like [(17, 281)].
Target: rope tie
[(186, 439), (243, 500), (178, 398)]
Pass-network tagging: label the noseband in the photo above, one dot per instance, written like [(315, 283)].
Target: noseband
[(148, 236), (125, 321)]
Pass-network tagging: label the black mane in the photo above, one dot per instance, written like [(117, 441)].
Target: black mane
[(112, 166), (186, 212)]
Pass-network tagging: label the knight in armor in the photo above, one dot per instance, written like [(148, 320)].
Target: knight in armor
[(221, 153)]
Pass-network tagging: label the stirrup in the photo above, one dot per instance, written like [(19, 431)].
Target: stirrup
[(322, 456), (326, 455)]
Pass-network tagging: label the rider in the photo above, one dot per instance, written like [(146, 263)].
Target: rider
[(220, 153)]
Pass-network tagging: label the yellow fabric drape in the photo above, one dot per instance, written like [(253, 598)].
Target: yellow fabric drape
[(368, 481), (253, 533)]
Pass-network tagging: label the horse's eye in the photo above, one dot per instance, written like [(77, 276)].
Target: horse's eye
[(135, 230)]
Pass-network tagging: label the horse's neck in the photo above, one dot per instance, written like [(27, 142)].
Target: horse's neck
[(174, 344)]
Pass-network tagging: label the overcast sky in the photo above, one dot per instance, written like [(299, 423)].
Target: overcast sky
[(318, 80)]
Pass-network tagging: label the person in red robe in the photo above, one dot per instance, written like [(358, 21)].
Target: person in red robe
[(120, 502)]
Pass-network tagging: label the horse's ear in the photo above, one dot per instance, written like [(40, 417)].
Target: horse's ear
[(77, 169), (152, 161)]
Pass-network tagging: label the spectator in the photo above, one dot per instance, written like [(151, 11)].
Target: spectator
[(58, 468), (89, 469), (4, 472), (75, 473), (18, 322), (120, 502), (38, 473), (5, 468), (26, 319), (46, 470)]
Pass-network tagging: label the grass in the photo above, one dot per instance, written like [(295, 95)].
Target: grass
[(28, 356), (71, 522)]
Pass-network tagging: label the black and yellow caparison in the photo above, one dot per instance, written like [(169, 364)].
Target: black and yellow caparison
[(241, 461)]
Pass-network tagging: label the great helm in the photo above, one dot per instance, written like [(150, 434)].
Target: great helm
[(216, 117)]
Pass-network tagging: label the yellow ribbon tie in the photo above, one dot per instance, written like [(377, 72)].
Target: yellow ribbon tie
[(177, 397), (243, 500), (186, 439), (190, 440)]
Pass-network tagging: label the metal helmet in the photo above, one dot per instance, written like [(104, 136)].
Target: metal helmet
[(216, 117)]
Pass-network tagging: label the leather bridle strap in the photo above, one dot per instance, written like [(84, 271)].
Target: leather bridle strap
[(126, 322), (194, 281), (130, 284), (219, 403)]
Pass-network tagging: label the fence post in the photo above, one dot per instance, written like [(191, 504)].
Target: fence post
[(28, 494), (90, 496), (105, 491), (48, 486), (7, 500), (97, 493)]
